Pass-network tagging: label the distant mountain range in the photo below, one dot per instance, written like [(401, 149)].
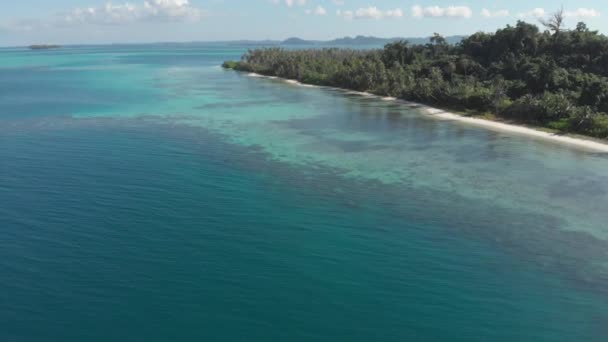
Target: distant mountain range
[(364, 40), (346, 41)]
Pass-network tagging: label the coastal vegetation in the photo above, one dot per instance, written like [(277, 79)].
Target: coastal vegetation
[(550, 77)]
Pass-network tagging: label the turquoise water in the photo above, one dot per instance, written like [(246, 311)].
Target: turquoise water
[(148, 195)]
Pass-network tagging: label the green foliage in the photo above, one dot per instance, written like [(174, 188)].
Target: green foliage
[(556, 78), (230, 65)]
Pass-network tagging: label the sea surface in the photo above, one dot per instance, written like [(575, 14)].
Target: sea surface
[(148, 195)]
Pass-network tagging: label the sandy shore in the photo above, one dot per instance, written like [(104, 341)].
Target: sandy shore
[(564, 139), (583, 143)]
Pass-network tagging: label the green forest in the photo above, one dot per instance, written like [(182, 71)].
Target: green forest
[(541, 75)]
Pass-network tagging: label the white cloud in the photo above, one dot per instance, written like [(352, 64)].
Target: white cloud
[(578, 13), (536, 13), (442, 12), (583, 13), (338, 2), (149, 10), (290, 3), (395, 13), (486, 13), (319, 10), (371, 12)]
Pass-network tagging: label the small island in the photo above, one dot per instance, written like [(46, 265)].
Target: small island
[(44, 47), (555, 79)]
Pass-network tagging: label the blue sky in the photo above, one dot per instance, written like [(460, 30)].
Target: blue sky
[(24, 22)]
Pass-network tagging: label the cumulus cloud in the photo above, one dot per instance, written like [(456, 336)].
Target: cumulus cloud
[(486, 13), (150, 10), (371, 12), (395, 13), (319, 10), (442, 12), (289, 3), (536, 13), (583, 13), (579, 13), (347, 14)]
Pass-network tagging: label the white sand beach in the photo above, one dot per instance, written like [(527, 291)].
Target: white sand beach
[(564, 139)]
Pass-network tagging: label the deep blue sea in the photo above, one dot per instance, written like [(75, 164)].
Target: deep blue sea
[(148, 195)]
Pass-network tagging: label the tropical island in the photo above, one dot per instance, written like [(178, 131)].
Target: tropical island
[(552, 78)]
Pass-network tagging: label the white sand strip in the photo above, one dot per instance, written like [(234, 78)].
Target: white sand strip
[(579, 142)]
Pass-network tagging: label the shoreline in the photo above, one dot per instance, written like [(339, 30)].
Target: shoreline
[(581, 142)]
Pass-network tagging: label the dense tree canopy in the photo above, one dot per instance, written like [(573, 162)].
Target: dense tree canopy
[(555, 78)]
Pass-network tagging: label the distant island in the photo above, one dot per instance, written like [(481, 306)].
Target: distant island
[(556, 78), (44, 47)]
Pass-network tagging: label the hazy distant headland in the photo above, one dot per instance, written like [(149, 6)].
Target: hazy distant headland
[(345, 41), (44, 47), (366, 40)]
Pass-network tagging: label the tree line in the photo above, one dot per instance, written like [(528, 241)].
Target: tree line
[(552, 78)]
